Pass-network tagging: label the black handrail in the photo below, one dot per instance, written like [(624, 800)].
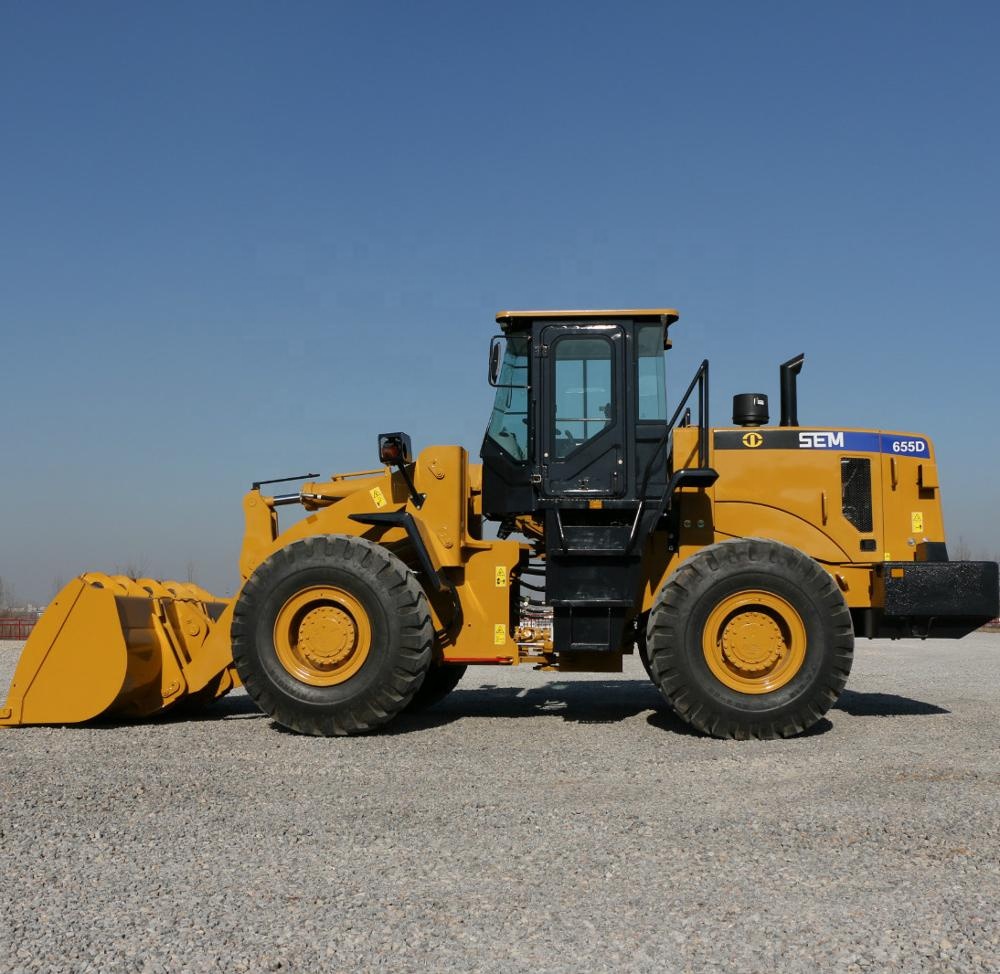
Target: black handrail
[(701, 381)]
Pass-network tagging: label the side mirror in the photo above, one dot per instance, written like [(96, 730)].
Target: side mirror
[(494, 374), (394, 449)]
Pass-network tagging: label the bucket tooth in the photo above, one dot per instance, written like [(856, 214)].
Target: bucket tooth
[(109, 645)]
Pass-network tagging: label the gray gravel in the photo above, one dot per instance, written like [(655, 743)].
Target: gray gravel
[(527, 823)]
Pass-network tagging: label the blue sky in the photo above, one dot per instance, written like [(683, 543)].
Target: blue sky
[(239, 239)]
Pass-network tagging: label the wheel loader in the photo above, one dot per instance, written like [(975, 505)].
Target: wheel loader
[(739, 561)]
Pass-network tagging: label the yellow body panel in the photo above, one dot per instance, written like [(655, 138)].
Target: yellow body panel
[(912, 499), (806, 485), (787, 495), (794, 496)]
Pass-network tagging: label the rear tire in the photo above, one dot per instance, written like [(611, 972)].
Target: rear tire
[(750, 638), (332, 635), (440, 680)]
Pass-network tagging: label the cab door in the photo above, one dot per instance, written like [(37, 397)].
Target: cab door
[(582, 419)]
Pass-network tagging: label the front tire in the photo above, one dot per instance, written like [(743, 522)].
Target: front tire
[(332, 635), (750, 638)]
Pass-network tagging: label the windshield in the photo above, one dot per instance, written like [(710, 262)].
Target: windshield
[(509, 422)]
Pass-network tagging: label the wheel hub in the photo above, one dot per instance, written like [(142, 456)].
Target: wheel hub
[(327, 635), (322, 635), (752, 641)]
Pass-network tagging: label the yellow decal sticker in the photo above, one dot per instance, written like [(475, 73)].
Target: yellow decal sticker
[(499, 634), (501, 576), (917, 522), (378, 497), (752, 439), (888, 557)]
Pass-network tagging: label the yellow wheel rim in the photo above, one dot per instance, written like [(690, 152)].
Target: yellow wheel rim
[(322, 635), (754, 642)]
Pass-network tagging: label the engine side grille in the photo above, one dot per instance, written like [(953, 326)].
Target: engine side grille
[(856, 491)]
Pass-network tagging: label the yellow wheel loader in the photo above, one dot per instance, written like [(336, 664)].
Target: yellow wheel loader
[(740, 562)]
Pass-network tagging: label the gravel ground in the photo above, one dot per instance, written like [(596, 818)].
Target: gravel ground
[(527, 823)]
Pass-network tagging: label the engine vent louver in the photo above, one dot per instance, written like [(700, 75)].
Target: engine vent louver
[(856, 491)]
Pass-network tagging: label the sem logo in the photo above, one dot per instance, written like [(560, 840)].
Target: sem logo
[(821, 441), (752, 440)]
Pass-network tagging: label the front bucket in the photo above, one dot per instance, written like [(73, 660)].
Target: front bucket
[(113, 646)]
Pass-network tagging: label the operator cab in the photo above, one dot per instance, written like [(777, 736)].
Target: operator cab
[(580, 405)]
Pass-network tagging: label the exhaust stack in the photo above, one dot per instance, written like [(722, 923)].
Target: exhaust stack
[(789, 393)]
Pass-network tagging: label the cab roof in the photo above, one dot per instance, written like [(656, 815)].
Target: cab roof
[(636, 314)]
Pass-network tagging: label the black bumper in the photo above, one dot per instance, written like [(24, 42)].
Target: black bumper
[(945, 599)]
